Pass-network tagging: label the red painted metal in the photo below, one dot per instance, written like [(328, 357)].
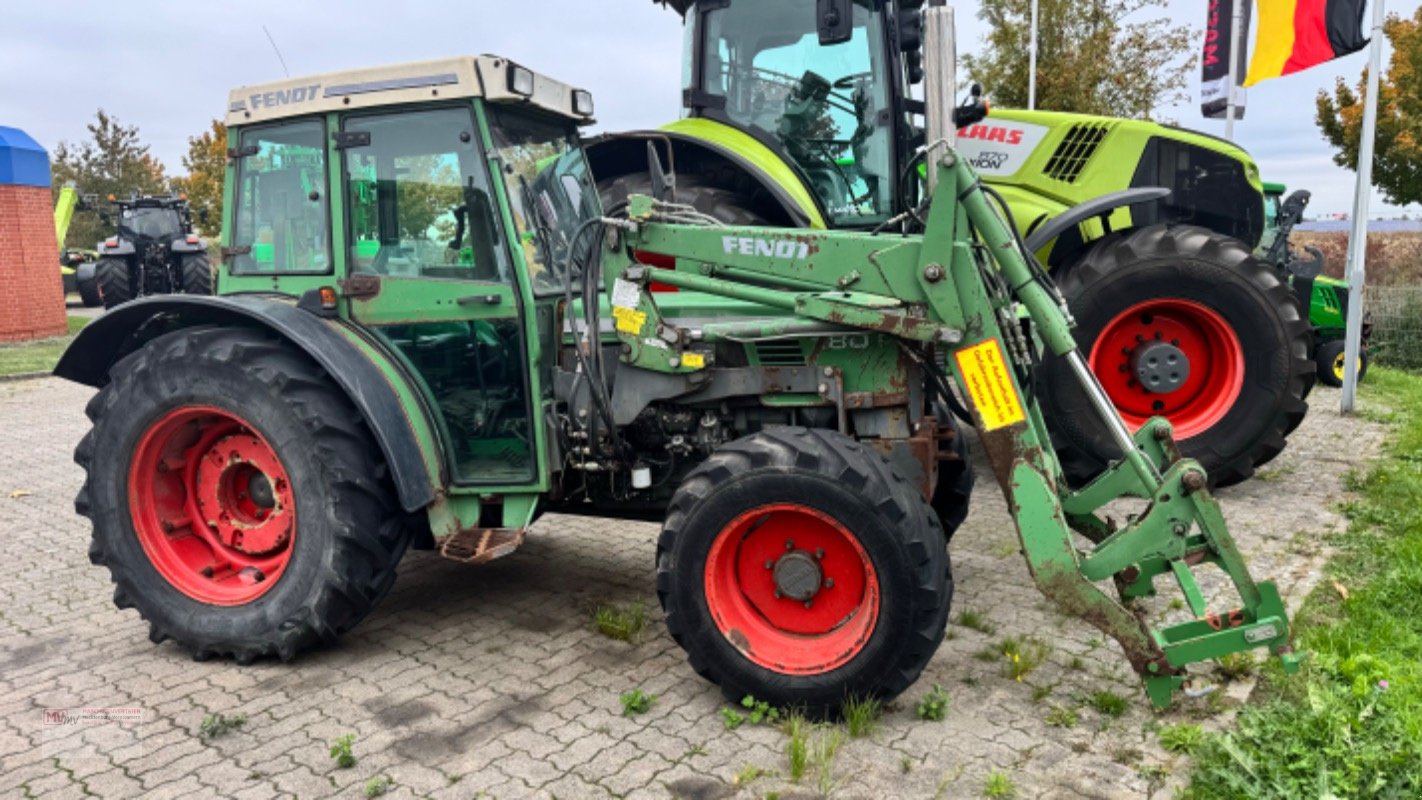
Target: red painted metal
[(191, 490), (1209, 342), (780, 633)]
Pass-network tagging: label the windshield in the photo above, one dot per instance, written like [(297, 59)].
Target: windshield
[(826, 107), (150, 223), (550, 191)]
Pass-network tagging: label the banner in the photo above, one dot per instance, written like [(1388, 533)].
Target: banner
[(1297, 34), (1214, 61)]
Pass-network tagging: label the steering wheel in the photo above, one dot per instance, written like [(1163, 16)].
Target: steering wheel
[(848, 82)]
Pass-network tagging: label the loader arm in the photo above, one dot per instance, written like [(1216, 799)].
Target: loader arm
[(959, 287), (64, 208)]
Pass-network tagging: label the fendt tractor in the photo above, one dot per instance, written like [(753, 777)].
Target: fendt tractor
[(451, 337), (1326, 298), (1177, 319), (155, 251)]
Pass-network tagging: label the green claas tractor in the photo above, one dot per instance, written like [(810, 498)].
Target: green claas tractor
[(451, 337), (1176, 316), (1326, 298), (154, 251)]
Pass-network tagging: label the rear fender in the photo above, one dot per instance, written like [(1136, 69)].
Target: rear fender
[(401, 427), (184, 247), (123, 248)]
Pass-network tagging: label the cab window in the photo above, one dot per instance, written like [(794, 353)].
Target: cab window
[(280, 224)]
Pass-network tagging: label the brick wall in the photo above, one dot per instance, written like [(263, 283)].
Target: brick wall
[(31, 295)]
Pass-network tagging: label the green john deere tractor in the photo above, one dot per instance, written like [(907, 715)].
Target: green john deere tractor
[(450, 337), (1326, 298), (1177, 317)]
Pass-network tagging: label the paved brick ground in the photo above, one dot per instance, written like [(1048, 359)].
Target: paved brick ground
[(490, 682)]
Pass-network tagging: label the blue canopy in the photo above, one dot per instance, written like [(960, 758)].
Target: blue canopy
[(22, 161)]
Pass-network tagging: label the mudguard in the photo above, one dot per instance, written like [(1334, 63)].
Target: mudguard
[(1097, 207), (124, 329), (123, 248), (184, 246)]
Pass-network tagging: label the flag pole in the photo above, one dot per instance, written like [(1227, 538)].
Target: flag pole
[(1358, 241), (1236, 41), (1032, 63)]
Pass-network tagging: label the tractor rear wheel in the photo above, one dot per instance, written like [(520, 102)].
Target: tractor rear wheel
[(723, 204), (196, 273), (954, 491), (115, 280), (237, 499), (87, 282), (1331, 360), (798, 566), (1183, 323)]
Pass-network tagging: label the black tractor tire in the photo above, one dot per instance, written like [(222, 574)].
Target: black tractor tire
[(87, 282), (954, 492), (347, 531), (196, 273), (723, 204), (114, 277), (1217, 276), (806, 474), (1330, 360)]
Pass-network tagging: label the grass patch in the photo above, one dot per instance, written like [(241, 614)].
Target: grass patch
[(797, 746), (1350, 724), (623, 623), (1020, 656), (342, 753), (1237, 666), (1108, 703), (999, 786), (1062, 717), (40, 355), (636, 702), (861, 716), (215, 725), (822, 752), (934, 705), (1185, 738), (977, 621), (377, 786), (749, 774)]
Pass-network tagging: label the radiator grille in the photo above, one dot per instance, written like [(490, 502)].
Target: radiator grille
[(1076, 150)]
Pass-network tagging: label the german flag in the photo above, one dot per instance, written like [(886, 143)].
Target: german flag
[(1294, 35)]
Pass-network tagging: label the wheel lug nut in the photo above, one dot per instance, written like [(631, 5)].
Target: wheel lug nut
[(778, 595), (829, 583), (808, 603), (769, 564), (789, 544), (819, 552)]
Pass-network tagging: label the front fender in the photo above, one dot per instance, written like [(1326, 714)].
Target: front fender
[(399, 428)]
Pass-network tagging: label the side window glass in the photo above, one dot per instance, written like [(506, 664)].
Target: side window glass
[(419, 203), (281, 223)]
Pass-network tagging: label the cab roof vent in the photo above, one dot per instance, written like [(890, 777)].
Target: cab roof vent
[(1076, 150)]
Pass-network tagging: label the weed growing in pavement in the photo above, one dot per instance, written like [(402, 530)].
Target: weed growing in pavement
[(215, 725), (1022, 656), (797, 746), (623, 623), (749, 774), (999, 786), (636, 702), (760, 711), (378, 785), (905, 764), (822, 752), (732, 718), (1062, 717), (861, 715), (1109, 703), (976, 621), (341, 751), (1040, 693), (1237, 666), (1185, 738), (934, 705)]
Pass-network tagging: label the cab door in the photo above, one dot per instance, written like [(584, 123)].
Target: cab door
[(430, 275)]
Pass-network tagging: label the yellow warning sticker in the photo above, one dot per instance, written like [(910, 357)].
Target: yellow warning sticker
[(989, 385), (692, 360), (629, 320)]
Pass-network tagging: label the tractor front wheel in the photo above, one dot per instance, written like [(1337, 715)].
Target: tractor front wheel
[(1182, 323), (1331, 361), (237, 499), (796, 565), (115, 281)]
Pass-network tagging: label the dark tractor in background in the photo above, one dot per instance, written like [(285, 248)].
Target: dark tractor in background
[(155, 251)]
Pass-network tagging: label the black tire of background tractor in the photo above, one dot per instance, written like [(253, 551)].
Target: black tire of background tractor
[(196, 274), (115, 281), (850, 482), (1210, 269), (1329, 355), (349, 533), (723, 204), (89, 291), (954, 492)]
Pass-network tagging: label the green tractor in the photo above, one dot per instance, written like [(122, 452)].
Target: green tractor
[(1325, 297), (1178, 318), (449, 337)]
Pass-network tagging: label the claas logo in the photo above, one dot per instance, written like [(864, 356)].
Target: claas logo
[(993, 133)]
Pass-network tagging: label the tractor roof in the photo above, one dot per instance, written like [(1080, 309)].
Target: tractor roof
[(494, 78)]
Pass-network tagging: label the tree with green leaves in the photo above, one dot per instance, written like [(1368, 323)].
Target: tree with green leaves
[(113, 161), (1091, 58), (206, 163), (1397, 161)]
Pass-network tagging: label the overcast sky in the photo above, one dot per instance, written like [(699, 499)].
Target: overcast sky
[(166, 65)]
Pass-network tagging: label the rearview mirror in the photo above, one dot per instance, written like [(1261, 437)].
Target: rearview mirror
[(836, 21)]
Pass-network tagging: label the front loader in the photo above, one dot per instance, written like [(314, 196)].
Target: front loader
[(449, 337)]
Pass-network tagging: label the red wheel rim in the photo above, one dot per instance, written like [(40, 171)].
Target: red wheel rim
[(774, 548), (212, 505), (1210, 346)]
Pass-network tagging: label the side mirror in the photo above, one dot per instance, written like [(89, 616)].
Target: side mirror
[(836, 21)]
